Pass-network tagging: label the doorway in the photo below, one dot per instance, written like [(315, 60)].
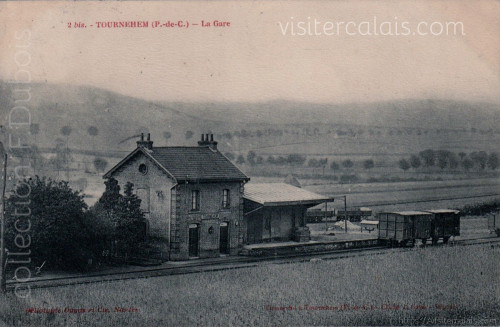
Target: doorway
[(194, 240), (224, 238)]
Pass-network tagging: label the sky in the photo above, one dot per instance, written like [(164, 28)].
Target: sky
[(251, 60)]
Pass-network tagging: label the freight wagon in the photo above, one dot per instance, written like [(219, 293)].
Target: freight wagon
[(318, 215), (354, 214), (445, 224), (403, 227), (494, 224)]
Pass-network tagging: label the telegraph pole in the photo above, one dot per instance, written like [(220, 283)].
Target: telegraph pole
[(2, 223), (326, 218), (345, 212), (326, 205)]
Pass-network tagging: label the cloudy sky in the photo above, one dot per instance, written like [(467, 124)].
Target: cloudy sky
[(252, 60)]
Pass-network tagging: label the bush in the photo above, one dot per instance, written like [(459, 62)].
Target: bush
[(481, 209), (56, 231)]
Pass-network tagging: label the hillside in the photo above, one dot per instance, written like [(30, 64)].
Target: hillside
[(267, 126)]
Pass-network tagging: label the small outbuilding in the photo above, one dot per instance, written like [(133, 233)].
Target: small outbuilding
[(277, 212)]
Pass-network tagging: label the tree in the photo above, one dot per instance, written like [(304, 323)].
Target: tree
[(493, 160), (92, 131), (404, 164), (415, 161), (100, 164), (368, 164), (57, 233), (428, 156), (347, 163), (66, 130), (453, 160), (188, 135), (442, 159), (296, 159), (120, 216), (313, 163), (251, 157), (334, 165), (467, 164), (462, 155), (167, 136), (481, 158), (240, 159)]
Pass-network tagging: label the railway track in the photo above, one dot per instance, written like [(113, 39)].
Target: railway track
[(230, 263)]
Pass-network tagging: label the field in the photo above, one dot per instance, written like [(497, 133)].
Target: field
[(411, 195), (430, 286)]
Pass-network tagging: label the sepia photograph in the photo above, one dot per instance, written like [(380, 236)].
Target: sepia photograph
[(250, 163)]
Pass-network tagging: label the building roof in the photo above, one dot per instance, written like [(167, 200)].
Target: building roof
[(199, 163), (275, 194), (290, 179)]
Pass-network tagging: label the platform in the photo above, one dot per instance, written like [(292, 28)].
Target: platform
[(282, 248)]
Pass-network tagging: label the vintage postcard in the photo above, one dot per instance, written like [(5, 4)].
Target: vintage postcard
[(250, 163)]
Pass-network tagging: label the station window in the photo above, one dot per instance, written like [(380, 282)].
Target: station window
[(195, 200), (226, 198)]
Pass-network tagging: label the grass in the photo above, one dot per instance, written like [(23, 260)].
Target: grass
[(465, 280)]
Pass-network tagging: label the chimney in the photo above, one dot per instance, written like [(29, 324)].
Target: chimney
[(208, 140), (148, 144)]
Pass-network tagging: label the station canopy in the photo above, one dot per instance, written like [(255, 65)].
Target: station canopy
[(279, 194)]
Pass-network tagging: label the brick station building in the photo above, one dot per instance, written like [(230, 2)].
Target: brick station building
[(192, 197)]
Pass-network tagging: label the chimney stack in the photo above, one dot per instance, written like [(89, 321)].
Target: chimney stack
[(207, 140), (148, 144)]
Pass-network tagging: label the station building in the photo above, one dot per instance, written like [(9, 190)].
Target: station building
[(198, 204), (192, 197)]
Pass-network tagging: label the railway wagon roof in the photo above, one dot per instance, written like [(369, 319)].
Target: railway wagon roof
[(369, 222), (443, 211), (410, 213)]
